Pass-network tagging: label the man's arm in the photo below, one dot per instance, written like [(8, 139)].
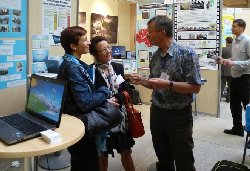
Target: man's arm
[(137, 80), (180, 87)]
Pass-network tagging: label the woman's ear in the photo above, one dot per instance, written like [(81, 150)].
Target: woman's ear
[(73, 46)]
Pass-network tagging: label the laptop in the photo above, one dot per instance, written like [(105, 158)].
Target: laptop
[(43, 111)]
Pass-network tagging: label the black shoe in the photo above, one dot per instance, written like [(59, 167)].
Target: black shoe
[(233, 131)]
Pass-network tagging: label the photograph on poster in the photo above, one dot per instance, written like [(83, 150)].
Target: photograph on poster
[(197, 5), (205, 53), (16, 29), (39, 67), (185, 6), (153, 5), (143, 58), (19, 66), (4, 28), (4, 11), (145, 14), (127, 64), (197, 35), (196, 26), (16, 12), (198, 43), (4, 71), (16, 20), (163, 12), (82, 19), (196, 16), (40, 55), (4, 20), (106, 26)]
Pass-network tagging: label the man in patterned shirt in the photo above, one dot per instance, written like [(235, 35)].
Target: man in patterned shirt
[(174, 78)]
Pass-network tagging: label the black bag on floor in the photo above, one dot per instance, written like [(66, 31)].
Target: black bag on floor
[(225, 165)]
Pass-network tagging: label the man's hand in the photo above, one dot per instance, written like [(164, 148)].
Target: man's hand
[(158, 83), (227, 62), (135, 79)]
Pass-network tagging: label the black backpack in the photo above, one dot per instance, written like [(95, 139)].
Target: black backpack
[(225, 165)]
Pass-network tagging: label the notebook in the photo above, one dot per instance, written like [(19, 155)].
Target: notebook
[(43, 111)]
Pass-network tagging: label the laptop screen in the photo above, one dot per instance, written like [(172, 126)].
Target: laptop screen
[(45, 98)]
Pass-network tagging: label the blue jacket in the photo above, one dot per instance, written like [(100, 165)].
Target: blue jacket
[(80, 97)]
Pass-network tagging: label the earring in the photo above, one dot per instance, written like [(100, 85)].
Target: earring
[(74, 49)]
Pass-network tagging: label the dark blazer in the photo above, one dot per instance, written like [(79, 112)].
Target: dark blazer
[(226, 54), (118, 68)]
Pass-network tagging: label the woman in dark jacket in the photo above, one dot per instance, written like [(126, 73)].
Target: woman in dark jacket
[(111, 75), (80, 97)]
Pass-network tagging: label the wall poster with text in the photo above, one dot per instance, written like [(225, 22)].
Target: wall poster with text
[(144, 50), (197, 25), (56, 16), (13, 57)]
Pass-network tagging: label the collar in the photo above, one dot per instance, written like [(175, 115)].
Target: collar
[(240, 37), (170, 50), (71, 58)]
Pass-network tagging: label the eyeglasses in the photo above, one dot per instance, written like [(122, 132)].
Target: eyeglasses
[(105, 50)]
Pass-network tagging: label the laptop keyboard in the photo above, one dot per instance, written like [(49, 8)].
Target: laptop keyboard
[(28, 127)]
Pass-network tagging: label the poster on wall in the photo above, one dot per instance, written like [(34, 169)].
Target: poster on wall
[(13, 63), (82, 19), (227, 22), (12, 18), (197, 26), (41, 61), (13, 58), (56, 17), (106, 26), (144, 49)]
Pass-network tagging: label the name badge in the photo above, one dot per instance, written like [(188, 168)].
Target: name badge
[(164, 76)]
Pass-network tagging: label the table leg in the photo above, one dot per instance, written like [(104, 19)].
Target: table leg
[(27, 164), (30, 164), (245, 148)]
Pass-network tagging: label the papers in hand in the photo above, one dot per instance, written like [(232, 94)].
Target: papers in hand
[(119, 79), (216, 58)]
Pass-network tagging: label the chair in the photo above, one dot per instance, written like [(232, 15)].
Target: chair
[(245, 147)]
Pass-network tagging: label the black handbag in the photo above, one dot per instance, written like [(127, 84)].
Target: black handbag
[(101, 118), (225, 165)]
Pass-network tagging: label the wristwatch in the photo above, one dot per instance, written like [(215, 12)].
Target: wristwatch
[(171, 85)]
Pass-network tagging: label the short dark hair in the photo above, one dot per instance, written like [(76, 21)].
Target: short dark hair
[(241, 23), (163, 23), (71, 35), (229, 40), (94, 41)]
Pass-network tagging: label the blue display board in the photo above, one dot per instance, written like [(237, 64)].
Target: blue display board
[(13, 53)]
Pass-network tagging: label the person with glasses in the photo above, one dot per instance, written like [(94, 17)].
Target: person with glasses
[(111, 75), (80, 98), (174, 78)]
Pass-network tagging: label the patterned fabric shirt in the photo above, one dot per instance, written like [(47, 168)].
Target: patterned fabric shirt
[(181, 65)]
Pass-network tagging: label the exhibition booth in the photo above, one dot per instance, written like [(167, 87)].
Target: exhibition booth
[(30, 32)]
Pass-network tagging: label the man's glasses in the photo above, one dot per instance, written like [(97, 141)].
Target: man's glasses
[(105, 50)]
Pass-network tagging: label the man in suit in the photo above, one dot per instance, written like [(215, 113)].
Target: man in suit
[(226, 71)]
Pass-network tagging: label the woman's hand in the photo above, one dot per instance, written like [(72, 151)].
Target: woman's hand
[(113, 101)]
